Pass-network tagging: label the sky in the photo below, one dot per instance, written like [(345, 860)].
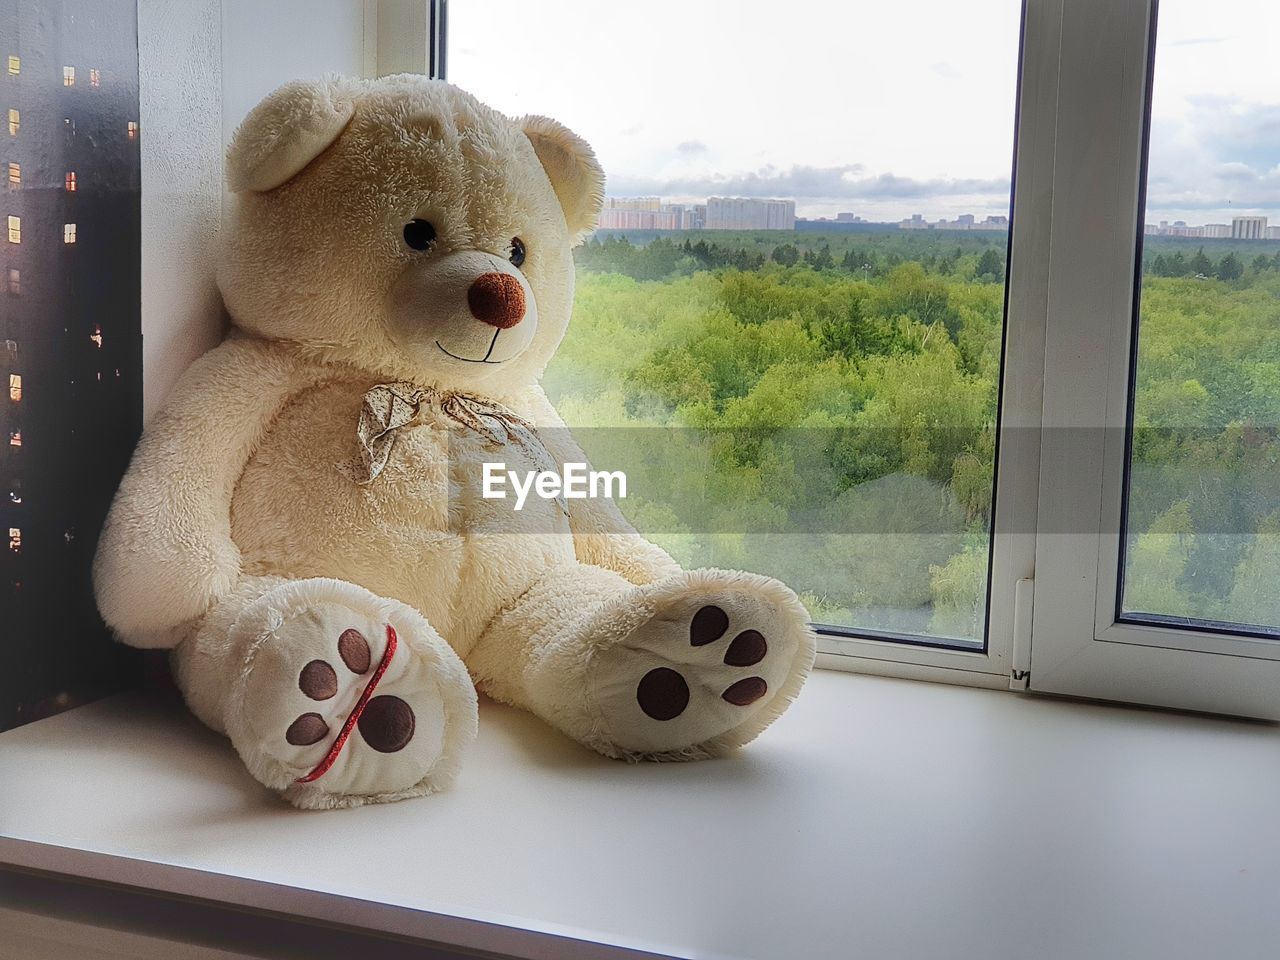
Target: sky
[(879, 109)]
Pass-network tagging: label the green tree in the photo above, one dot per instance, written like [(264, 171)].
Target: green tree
[(1230, 267), (990, 266), (820, 259), (786, 254), (958, 590), (1260, 263), (1201, 265), (1156, 562), (1254, 597)]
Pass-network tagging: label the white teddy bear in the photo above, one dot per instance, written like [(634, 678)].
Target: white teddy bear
[(303, 523)]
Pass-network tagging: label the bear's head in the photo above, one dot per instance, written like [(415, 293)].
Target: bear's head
[(402, 227)]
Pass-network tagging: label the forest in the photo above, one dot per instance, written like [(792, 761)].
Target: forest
[(821, 407)]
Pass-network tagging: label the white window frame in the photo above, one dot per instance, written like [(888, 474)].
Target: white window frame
[(1081, 646), (1013, 544)]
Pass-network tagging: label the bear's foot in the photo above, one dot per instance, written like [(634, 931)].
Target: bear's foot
[(721, 656), (347, 698)]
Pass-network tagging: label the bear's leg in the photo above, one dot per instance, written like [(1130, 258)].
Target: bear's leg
[(330, 694), (688, 667)]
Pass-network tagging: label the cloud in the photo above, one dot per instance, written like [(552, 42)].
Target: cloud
[(1221, 155), (945, 70), (806, 183), (692, 146)]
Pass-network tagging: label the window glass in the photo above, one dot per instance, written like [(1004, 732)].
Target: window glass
[(788, 326), (1202, 540)]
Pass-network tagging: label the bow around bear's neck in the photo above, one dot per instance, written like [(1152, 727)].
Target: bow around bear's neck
[(388, 407)]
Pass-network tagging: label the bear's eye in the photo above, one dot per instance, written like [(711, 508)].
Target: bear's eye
[(517, 251), (419, 234)]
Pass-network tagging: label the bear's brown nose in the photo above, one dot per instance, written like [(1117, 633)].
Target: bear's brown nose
[(497, 299)]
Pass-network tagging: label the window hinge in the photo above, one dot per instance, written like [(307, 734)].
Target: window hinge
[(1020, 668)]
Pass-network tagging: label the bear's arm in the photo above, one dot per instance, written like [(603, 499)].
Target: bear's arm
[(166, 554), (602, 536)]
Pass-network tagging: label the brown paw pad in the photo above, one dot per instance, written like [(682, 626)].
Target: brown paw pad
[(708, 626), (748, 649), (387, 724), (307, 729), (662, 693), (353, 648), (746, 692), (318, 681)]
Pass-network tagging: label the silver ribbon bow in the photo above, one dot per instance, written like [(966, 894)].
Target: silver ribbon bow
[(388, 407)]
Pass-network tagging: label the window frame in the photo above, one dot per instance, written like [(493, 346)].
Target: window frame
[(1017, 468), (1083, 646)]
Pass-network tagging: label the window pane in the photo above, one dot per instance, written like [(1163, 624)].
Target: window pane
[(1202, 542), (787, 328)]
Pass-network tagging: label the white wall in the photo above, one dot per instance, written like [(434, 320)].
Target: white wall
[(265, 44), (180, 69), (203, 65)]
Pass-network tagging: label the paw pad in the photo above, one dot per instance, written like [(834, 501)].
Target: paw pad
[(386, 723), (663, 693), (708, 626), (748, 649), (307, 729), (353, 648), (318, 680), (746, 691)]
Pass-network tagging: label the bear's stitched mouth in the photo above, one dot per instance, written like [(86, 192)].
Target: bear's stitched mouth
[(485, 359)]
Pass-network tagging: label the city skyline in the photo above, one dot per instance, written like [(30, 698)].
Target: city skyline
[(749, 213)]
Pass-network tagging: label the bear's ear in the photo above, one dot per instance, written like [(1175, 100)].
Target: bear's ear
[(285, 132), (574, 172)]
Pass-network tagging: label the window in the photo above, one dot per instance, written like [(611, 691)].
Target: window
[(15, 174), (790, 340), (15, 65), (15, 281), (15, 229), (95, 78), (1156, 530), (1201, 521), (1125, 485), (68, 233), (15, 539), (133, 129), (15, 387), (70, 181), (68, 76), (96, 336), (14, 122), (15, 438)]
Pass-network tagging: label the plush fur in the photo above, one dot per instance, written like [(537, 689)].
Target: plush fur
[(243, 540)]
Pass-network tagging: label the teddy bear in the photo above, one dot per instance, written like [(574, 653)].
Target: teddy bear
[(304, 527)]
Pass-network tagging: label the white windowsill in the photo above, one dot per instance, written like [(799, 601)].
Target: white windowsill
[(879, 818)]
